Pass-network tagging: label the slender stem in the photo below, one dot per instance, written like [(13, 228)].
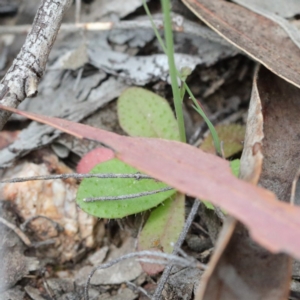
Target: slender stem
[(124, 197), (137, 176), (184, 85), (173, 71), (211, 127), (184, 73), (160, 40)]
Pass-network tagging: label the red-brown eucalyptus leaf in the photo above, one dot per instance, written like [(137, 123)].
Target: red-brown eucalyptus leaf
[(273, 224), (259, 37)]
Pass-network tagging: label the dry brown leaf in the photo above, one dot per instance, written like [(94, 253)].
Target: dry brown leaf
[(273, 224), (259, 37), (243, 270)]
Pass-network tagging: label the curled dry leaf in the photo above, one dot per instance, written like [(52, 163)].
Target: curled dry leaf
[(259, 37), (240, 269), (273, 224)]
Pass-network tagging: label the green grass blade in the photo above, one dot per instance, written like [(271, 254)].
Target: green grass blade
[(173, 71), (160, 40), (184, 88)]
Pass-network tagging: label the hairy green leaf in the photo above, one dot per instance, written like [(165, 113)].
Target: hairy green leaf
[(143, 113), (95, 187)]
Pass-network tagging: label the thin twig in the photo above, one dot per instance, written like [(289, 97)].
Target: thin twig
[(219, 213), (78, 78), (179, 24), (77, 11), (190, 262), (201, 228), (156, 261), (17, 231), (165, 275), (138, 288), (130, 196), (57, 226), (182, 253), (176, 259), (139, 231), (48, 289), (43, 243), (294, 187), (136, 176)]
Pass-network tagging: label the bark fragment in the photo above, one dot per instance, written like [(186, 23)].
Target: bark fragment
[(22, 78)]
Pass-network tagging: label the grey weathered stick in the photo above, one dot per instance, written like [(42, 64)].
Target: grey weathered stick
[(27, 69), (138, 288)]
